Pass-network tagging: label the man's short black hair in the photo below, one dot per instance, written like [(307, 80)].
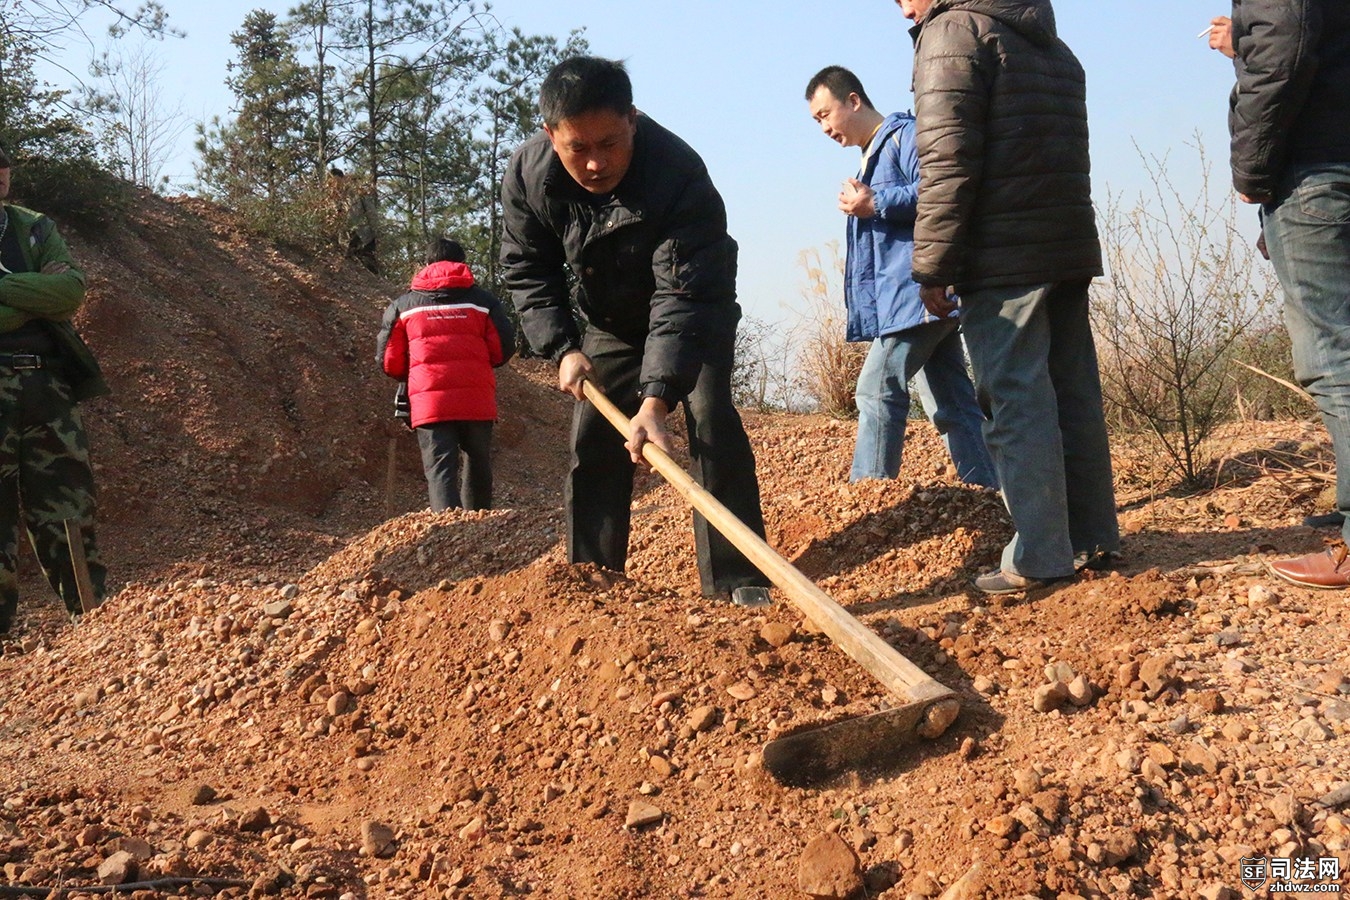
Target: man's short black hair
[(841, 83), (582, 84), (6, 161), (442, 249)]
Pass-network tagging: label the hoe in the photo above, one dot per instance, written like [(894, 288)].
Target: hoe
[(817, 753)]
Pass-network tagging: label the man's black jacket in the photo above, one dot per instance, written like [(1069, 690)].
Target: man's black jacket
[(1291, 104), (653, 262)]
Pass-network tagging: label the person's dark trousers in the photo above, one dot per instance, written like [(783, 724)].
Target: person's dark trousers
[(599, 488), (441, 444)]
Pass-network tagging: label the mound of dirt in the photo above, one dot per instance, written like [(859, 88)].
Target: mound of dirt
[(298, 698), (246, 397)]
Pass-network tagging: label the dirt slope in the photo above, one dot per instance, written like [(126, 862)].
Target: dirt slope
[(246, 395), (295, 694)]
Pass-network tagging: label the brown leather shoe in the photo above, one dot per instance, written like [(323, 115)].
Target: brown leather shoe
[(1325, 570)]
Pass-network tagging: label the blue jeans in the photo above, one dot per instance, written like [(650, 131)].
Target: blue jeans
[(930, 355), (1307, 231), (1035, 366)]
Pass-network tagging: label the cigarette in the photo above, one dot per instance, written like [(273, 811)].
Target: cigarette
[(1205, 33)]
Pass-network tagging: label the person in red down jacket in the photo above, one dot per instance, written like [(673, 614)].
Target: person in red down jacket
[(443, 338)]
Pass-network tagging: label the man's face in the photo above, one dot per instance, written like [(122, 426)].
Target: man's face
[(4, 183), (914, 10), (595, 147), (836, 117)]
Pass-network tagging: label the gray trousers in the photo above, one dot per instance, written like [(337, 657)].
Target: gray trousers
[(441, 444), (600, 485), (1035, 367)]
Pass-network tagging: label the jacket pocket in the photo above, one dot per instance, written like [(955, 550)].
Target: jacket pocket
[(1328, 201)]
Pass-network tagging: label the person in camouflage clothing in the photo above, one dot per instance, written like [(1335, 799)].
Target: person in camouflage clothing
[(45, 369)]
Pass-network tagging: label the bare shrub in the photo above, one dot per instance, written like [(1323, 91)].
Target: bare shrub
[(765, 375), (829, 364), (1185, 295)]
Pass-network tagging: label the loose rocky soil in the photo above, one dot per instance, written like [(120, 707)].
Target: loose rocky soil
[(292, 690)]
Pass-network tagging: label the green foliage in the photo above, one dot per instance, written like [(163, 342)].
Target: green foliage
[(74, 190), (56, 169), (261, 155), (507, 102), (421, 103)]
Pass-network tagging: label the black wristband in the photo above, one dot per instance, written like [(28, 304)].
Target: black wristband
[(659, 390)]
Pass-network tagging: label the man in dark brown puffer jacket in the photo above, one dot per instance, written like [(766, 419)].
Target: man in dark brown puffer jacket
[(1005, 217)]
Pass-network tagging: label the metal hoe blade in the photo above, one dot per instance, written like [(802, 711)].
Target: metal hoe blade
[(871, 742)]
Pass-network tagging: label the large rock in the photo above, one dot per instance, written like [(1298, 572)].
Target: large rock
[(829, 869), (377, 838), (118, 868), (1158, 673), (641, 814)]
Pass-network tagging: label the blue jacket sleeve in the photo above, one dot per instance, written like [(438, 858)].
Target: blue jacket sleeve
[(897, 199)]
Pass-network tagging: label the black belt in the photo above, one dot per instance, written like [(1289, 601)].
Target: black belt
[(20, 361)]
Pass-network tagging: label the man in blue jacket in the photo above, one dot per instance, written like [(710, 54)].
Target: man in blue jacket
[(1291, 154), (882, 298)]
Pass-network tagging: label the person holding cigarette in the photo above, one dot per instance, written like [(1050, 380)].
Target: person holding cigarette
[(882, 298), (1291, 155), (1220, 34)]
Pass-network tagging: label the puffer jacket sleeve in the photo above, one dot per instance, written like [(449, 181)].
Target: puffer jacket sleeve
[(500, 329), (533, 261), (1276, 60), (898, 202), (391, 347), (952, 105), (694, 301)]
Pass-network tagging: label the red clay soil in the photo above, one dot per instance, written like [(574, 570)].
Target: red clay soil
[(294, 691)]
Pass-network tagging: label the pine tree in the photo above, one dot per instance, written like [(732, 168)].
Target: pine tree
[(258, 162)]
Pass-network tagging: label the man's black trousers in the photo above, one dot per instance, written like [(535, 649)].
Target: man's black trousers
[(599, 487)]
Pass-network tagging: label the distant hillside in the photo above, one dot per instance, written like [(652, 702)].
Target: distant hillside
[(245, 387)]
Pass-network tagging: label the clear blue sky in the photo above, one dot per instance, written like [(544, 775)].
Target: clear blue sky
[(728, 76)]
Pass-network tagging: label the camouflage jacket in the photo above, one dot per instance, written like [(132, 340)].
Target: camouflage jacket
[(53, 299)]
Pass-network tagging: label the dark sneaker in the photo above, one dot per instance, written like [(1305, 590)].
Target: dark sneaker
[(1098, 561), (1000, 582), (1325, 570), (751, 596), (1332, 519)]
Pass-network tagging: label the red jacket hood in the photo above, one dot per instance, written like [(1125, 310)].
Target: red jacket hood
[(442, 276)]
